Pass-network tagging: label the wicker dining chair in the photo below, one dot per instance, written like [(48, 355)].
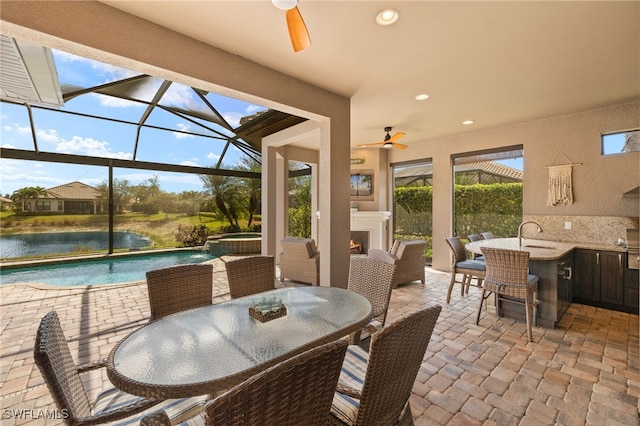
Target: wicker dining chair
[(297, 391), (63, 378), (251, 275), (508, 275), (472, 238), (178, 288), (487, 235), (374, 387), (374, 280), (469, 269)]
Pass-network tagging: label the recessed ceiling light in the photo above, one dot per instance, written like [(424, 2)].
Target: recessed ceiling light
[(387, 17), (422, 97), (465, 122)]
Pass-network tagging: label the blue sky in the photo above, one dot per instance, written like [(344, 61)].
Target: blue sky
[(65, 133)]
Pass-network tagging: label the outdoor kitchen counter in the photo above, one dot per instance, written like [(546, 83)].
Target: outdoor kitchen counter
[(552, 262), (540, 249)]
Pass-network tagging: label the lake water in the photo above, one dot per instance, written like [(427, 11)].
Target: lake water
[(103, 271), (21, 245)]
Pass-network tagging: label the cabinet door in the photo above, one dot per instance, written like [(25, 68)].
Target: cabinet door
[(586, 277), (631, 288), (611, 277)]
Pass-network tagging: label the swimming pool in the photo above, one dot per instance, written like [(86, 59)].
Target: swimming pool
[(100, 271)]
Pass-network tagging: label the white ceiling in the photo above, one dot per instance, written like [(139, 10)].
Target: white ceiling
[(498, 63)]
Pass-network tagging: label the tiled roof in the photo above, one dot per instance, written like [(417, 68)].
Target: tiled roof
[(495, 168), (74, 191)]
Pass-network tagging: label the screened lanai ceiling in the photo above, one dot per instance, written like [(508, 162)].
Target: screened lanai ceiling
[(78, 89)]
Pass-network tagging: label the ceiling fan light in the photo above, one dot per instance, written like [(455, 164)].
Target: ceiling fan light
[(387, 17), (388, 145), (422, 97), (284, 4)]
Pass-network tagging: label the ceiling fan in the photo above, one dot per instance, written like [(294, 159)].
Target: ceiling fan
[(295, 24), (389, 141)]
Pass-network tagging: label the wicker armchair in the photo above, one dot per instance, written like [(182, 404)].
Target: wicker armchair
[(300, 260), (62, 376), (476, 237), (295, 392), (373, 280), (470, 269), (508, 275), (250, 275), (408, 256), (178, 288), (487, 235), (374, 387)]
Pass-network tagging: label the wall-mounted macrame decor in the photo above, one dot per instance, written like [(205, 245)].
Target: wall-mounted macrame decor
[(560, 182)]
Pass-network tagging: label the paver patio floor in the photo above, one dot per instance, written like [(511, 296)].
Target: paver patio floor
[(586, 371)]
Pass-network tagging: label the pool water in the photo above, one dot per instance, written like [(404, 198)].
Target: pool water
[(102, 271)]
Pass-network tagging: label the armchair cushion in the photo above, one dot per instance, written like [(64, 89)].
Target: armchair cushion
[(300, 260), (408, 256)]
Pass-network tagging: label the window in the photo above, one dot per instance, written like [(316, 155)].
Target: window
[(413, 203), (621, 142), (488, 192), (43, 205)]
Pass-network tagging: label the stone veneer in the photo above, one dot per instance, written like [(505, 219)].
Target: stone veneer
[(584, 229)]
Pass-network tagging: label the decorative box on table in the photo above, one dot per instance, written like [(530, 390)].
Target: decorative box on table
[(267, 310)]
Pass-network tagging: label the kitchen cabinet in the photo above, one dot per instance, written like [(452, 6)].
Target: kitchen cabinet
[(599, 278), (565, 277), (632, 289)]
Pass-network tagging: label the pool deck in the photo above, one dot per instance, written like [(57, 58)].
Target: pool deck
[(586, 371)]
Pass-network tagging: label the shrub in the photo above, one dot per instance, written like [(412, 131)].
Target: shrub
[(228, 229), (192, 236)]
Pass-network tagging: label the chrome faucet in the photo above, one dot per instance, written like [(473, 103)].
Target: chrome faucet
[(520, 230)]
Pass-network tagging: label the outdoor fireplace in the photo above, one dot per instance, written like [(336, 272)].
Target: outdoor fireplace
[(359, 242)]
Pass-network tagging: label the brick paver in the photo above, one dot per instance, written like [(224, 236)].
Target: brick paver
[(586, 371)]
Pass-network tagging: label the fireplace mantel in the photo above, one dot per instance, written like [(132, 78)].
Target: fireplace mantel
[(373, 221)]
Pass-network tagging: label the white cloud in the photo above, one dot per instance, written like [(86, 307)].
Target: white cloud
[(48, 135), (110, 101), (15, 127), (91, 147), (7, 145), (184, 128), (213, 156), (190, 163), (233, 118)]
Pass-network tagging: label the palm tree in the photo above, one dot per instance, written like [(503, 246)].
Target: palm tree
[(252, 187), (225, 193), (28, 192)]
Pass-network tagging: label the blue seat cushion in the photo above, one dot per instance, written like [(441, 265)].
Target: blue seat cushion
[(472, 264)]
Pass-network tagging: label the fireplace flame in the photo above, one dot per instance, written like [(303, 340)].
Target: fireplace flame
[(356, 248)]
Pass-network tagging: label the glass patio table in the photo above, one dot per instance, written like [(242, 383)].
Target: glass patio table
[(207, 350)]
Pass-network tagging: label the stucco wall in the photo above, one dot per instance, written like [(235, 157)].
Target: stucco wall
[(598, 183)]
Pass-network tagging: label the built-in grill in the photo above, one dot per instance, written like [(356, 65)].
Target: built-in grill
[(633, 248)]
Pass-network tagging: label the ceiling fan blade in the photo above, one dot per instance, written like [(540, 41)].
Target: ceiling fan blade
[(297, 30), (367, 145), (396, 136), (399, 145)]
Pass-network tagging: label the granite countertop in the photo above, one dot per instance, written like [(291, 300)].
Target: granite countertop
[(539, 249)]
